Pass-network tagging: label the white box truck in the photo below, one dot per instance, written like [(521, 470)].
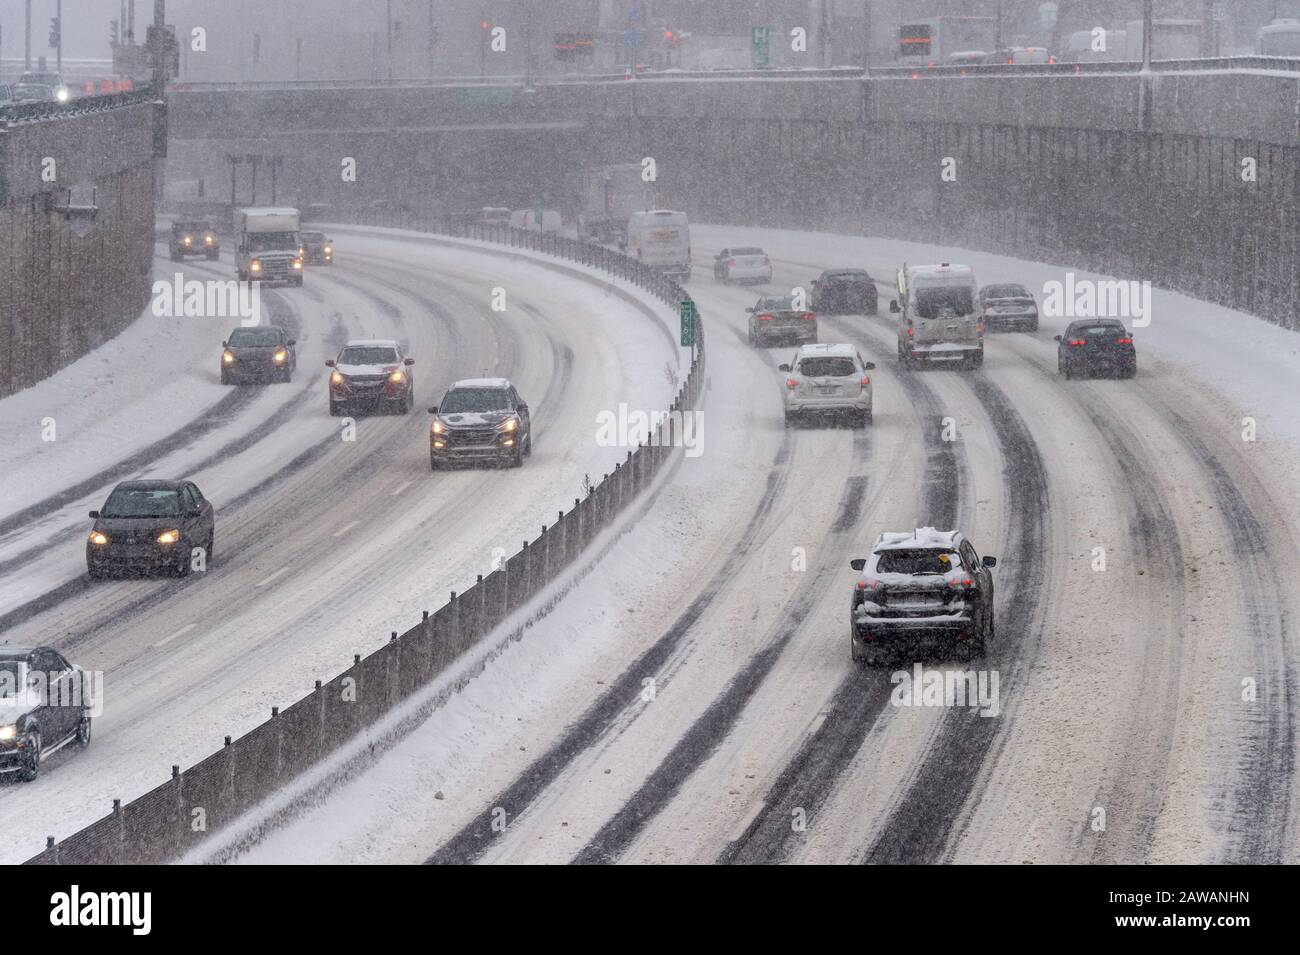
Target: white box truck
[(266, 245), (661, 239), (610, 195)]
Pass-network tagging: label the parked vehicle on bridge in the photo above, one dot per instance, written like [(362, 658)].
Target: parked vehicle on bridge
[(939, 316), (480, 420), (45, 705), (149, 526), (371, 374), (258, 353), (746, 264), (921, 587), (774, 318), (844, 292), (266, 245), (828, 381), (661, 239), (609, 195), (315, 248), (192, 237), (1096, 345), (1009, 306)]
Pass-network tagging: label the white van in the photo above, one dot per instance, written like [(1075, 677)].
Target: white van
[(661, 239), (526, 219), (940, 318)]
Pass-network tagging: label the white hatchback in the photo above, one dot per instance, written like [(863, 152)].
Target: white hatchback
[(828, 380)]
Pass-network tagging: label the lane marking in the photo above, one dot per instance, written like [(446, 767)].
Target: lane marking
[(181, 632), (745, 823), (345, 528), (267, 580), (401, 489)]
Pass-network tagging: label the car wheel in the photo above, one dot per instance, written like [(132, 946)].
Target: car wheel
[(225, 377), (298, 281), (1069, 372), (334, 409), (977, 360), (1131, 371), (790, 419), (32, 764), (517, 458), (528, 444), (972, 648), (856, 650), (285, 376), (433, 462), (182, 568), (83, 732), (210, 551), (212, 255)]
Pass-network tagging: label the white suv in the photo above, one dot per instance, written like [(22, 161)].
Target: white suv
[(828, 379)]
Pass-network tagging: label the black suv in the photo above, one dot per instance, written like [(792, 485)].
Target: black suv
[(1093, 345), (45, 704), (918, 586), (480, 419), (193, 237), (844, 292), (315, 248), (258, 353), (151, 526)]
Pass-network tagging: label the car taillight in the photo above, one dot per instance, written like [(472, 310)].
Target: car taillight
[(1078, 341), (865, 381), (791, 384), (1124, 341), (729, 262), (979, 329), (909, 328), (764, 318), (958, 583), (808, 316)]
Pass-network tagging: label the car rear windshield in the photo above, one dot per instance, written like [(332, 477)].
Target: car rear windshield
[(9, 679), (255, 337), (847, 277), (956, 299), (784, 304), (827, 367), (920, 561), (461, 400), (1005, 291), (142, 502), (747, 252), (368, 355), (1100, 331)]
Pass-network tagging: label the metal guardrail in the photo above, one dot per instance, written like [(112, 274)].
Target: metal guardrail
[(162, 824), (81, 106)]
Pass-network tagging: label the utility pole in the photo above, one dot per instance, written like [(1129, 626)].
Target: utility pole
[(997, 29), (866, 37), (432, 38), (160, 47), (1147, 17), (27, 45), (389, 7), (58, 51)]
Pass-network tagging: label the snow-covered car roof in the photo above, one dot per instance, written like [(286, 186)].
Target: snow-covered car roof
[(942, 269), (826, 350), (927, 537), (480, 383), (373, 343)]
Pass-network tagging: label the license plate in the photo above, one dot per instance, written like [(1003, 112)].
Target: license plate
[(828, 389), (915, 601)]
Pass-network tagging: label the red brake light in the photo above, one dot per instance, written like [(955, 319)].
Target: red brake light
[(791, 384), (979, 329), (1124, 341), (909, 329), (808, 316), (765, 318), (865, 380), (960, 582), (1078, 341)]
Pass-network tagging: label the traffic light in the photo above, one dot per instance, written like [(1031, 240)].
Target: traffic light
[(54, 33)]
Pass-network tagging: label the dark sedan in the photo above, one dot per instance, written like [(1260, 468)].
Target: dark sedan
[(151, 526), (844, 292), (316, 248), (45, 705), (1096, 345), (1010, 307), (261, 353), (775, 319)]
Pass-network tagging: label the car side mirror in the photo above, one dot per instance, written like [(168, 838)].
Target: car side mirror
[(893, 305), (869, 366), (225, 344), (433, 409), (522, 407), (94, 515), (857, 563), (1056, 338), (292, 341), (782, 367), (329, 362), (990, 561), (408, 361)]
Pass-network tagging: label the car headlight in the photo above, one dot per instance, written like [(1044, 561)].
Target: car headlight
[(255, 266), (398, 376), (329, 249), (301, 251), (98, 538), (337, 378), (227, 357), (62, 94), (297, 263), (169, 537), (439, 427), (280, 357), (209, 239), (188, 240), (510, 424), (8, 732)]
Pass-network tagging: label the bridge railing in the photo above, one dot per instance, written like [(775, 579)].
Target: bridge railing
[(81, 106), (176, 815)]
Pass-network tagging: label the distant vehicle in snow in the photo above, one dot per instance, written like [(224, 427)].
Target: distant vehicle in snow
[(661, 239), (371, 374), (844, 292), (939, 316), (45, 705), (151, 526), (35, 93), (526, 220), (192, 237), (966, 58), (744, 264), (266, 245), (1279, 38), (480, 420), (828, 381), (258, 353), (1170, 39), (1007, 305), (931, 41), (51, 79), (494, 215), (315, 248), (775, 318), (1020, 56), (921, 586), (609, 195), (1096, 345)]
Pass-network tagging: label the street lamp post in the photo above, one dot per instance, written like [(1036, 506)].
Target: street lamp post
[(253, 160), (235, 162), (274, 162)]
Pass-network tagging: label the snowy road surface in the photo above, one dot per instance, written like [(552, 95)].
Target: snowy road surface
[(694, 700)]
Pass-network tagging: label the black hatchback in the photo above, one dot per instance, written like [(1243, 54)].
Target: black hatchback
[(151, 526), (1096, 345)]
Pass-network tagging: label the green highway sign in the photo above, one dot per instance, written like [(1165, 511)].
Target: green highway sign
[(758, 37), (688, 323)]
